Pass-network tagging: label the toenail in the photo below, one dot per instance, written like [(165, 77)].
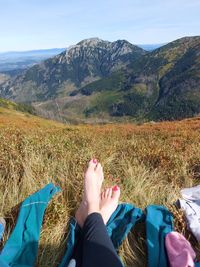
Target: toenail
[(115, 188), (94, 161)]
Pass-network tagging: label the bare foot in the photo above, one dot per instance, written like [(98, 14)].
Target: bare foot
[(109, 202), (93, 179)]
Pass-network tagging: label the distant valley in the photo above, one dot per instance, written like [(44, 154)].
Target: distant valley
[(97, 80)]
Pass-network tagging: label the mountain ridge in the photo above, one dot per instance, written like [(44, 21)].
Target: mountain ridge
[(127, 80), (151, 73), (73, 68), (11, 62)]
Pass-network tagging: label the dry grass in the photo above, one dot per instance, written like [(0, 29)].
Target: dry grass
[(150, 163)]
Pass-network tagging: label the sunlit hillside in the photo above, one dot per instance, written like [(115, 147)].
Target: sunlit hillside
[(150, 163)]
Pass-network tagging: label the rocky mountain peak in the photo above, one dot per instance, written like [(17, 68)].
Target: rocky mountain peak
[(91, 42), (87, 61), (97, 51), (84, 49)]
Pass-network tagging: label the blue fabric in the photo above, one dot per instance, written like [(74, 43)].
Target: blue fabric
[(118, 227), (197, 264), (70, 243), (122, 221), (21, 248), (1, 230), (159, 222)]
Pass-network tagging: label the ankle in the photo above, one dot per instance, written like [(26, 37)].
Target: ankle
[(93, 207)]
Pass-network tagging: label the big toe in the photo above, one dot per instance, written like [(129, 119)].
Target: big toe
[(92, 164), (116, 192)]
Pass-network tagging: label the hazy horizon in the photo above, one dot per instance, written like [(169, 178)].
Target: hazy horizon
[(52, 48)]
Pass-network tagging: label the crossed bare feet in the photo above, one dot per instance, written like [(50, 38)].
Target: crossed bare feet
[(94, 200)]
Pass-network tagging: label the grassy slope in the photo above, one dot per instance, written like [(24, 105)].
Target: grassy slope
[(4, 103), (150, 162)]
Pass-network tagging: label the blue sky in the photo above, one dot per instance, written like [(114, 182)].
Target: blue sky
[(38, 24)]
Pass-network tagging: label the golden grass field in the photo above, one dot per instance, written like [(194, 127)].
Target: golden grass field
[(150, 163)]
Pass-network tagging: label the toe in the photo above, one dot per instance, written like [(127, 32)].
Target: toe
[(104, 194), (107, 193), (110, 192), (116, 192), (92, 163)]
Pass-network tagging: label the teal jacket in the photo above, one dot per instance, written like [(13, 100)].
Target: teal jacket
[(22, 247)]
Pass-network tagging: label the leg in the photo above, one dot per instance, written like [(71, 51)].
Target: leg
[(92, 215), (93, 179), (98, 249)]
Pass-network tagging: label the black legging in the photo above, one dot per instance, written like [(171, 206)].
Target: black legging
[(95, 248)]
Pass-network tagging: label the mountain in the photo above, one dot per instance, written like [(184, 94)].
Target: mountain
[(3, 78), (163, 84), (10, 61), (114, 80), (171, 76), (14, 62), (89, 60)]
